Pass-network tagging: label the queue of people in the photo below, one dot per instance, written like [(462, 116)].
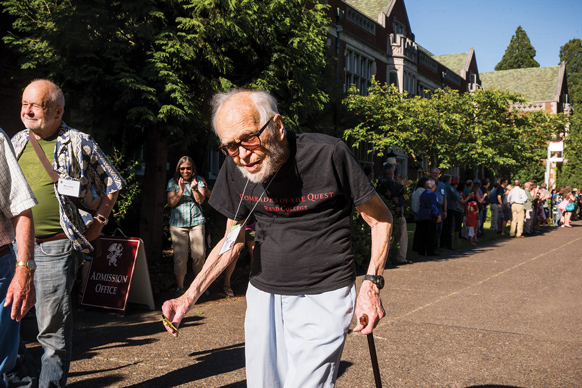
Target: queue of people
[(460, 210)]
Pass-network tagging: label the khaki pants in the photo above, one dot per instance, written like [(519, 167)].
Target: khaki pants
[(181, 238), (518, 215)]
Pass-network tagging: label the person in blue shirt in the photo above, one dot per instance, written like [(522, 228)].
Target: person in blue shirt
[(428, 216)]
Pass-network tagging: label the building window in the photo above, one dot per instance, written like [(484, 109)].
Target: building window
[(393, 78), (359, 70), (399, 28), (409, 83), (364, 154)]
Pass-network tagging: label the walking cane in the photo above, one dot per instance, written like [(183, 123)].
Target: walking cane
[(373, 356)]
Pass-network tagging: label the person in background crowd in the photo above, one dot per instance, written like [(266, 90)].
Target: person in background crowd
[(576, 205), (415, 205), (479, 198), (528, 208), (428, 215), (468, 186), (415, 198), (460, 210), (17, 292), (546, 203), (567, 205), (483, 213), (393, 189), (494, 206), (186, 192), (452, 197), (63, 221), (539, 199), (472, 222), (558, 198), (517, 197), (441, 190), (501, 211), (507, 212)]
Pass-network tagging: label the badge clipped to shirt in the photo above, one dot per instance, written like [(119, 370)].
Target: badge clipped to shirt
[(230, 239), (69, 187)]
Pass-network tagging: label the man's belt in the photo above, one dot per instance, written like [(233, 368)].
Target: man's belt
[(4, 249), (58, 236)]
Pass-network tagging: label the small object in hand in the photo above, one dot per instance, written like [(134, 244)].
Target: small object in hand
[(170, 324), (364, 320)]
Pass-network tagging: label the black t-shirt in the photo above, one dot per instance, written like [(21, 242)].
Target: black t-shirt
[(500, 191), (303, 230)]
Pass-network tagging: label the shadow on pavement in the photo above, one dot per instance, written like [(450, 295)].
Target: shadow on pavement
[(205, 364)]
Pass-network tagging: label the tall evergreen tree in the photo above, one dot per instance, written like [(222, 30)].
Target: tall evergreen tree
[(519, 54), (571, 53)]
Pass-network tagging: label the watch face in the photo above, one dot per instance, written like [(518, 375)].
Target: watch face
[(32, 264), (380, 282)]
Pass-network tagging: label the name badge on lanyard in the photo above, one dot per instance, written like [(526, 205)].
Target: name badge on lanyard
[(230, 239), (69, 187)]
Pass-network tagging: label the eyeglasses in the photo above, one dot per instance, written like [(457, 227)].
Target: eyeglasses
[(185, 168), (250, 143)]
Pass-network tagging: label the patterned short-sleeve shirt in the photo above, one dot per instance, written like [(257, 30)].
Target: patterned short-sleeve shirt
[(77, 156), (187, 213)]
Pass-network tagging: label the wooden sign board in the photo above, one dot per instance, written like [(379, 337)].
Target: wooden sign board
[(119, 275)]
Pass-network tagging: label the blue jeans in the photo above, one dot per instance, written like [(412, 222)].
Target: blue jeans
[(9, 328), (57, 264), (558, 216)]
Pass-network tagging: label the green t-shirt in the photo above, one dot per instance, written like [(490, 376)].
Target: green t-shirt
[(46, 214)]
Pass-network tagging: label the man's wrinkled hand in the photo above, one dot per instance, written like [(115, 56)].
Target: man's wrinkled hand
[(21, 293), (175, 310), (369, 303)]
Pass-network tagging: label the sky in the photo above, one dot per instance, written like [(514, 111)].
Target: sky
[(454, 26)]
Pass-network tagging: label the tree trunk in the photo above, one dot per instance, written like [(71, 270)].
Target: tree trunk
[(153, 197)]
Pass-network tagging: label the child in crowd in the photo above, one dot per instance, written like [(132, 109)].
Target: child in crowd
[(471, 221)]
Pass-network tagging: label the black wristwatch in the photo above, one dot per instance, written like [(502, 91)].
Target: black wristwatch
[(101, 219), (377, 280)]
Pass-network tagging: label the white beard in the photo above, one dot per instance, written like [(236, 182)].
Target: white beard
[(273, 157)]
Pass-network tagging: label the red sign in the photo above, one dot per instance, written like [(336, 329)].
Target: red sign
[(111, 273)]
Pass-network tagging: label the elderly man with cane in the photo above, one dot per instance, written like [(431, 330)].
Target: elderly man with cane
[(300, 189)]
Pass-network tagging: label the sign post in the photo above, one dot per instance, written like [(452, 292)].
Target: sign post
[(120, 274)]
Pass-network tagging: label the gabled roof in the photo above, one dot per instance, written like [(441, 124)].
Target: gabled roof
[(370, 8), (537, 83), (455, 62)]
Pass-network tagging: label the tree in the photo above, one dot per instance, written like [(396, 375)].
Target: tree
[(571, 53), (140, 73), (519, 54), (570, 174), (452, 129)]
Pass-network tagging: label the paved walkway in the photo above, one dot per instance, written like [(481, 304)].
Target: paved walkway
[(502, 315)]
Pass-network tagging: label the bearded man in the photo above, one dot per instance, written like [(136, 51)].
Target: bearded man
[(300, 189)]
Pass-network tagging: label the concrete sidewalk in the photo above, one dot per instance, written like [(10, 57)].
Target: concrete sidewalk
[(502, 315)]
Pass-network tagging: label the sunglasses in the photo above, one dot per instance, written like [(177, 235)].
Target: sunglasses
[(185, 168), (250, 143)]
